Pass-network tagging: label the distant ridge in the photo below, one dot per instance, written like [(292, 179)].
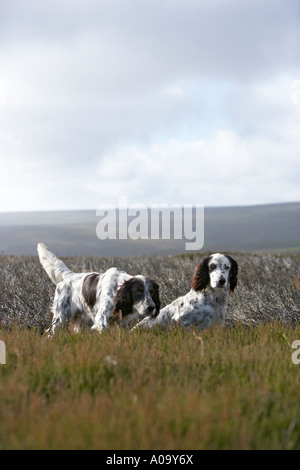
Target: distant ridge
[(272, 227)]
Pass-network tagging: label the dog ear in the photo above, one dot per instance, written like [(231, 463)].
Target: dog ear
[(89, 289), (201, 275), (155, 296), (123, 299), (233, 273)]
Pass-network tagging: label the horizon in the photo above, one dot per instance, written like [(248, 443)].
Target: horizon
[(270, 227), (148, 207)]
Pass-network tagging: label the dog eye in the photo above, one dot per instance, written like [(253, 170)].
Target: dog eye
[(227, 267), (141, 289), (212, 267)]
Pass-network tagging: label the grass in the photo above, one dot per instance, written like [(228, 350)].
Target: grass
[(225, 388), (228, 388)]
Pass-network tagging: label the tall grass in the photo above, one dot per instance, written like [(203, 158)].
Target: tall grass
[(268, 287), (226, 388)]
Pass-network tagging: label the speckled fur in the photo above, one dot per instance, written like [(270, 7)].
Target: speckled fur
[(95, 299), (205, 305)]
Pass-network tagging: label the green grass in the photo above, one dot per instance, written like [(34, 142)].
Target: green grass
[(225, 388)]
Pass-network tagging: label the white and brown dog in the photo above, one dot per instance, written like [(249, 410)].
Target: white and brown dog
[(98, 299), (206, 303)]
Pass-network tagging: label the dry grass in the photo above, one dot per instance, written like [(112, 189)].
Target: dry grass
[(268, 287), (226, 388), (236, 388)]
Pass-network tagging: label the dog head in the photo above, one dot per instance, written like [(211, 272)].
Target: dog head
[(137, 295), (218, 271)]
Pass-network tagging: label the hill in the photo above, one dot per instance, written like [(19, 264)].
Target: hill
[(274, 227)]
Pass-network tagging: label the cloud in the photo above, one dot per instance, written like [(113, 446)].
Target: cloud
[(147, 98), (225, 170)]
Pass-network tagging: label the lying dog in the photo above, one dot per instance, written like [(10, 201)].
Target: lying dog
[(206, 303), (96, 300)]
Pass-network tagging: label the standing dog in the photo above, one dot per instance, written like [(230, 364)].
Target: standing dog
[(206, 303), (96, 299)]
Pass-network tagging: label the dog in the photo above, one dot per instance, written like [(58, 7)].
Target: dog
[(96, 300), (205, 305)]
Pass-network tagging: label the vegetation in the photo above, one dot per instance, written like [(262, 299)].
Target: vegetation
[(225, 388)]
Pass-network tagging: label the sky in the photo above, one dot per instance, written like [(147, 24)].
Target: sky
[(161, 101)]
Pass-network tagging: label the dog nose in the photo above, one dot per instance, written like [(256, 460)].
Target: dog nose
[(222, 281), (150, 309)]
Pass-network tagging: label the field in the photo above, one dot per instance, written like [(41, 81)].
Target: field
[(226, 388)]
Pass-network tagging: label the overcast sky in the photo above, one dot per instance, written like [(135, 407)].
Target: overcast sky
[(162, 101)]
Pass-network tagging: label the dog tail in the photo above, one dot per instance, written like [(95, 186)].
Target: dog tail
[(54, 267)]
